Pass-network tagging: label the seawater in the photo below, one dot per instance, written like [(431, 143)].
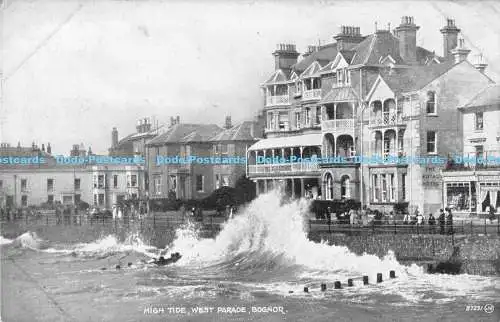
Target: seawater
[(256, 268)]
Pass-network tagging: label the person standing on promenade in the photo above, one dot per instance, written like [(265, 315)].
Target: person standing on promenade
[(442, 221), (492, 213), (431, 221), (352, 216), (449, 221), (420, 219)]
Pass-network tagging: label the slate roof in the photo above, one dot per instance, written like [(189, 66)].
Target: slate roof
[(488, 96), (312, 70), (414, 78), (340, 94), (277, 77), (185, 132), (323, 56), (239, 132)]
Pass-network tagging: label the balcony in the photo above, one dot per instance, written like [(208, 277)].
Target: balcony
[(387, 120), (312, 94), (339, 125), (287, 168), (277, 100)]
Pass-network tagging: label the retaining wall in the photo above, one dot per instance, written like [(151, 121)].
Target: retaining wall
[(479, 254)]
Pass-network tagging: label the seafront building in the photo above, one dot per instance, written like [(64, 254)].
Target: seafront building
[(195, 180), (473, 187), (51, 182), (379, 96)]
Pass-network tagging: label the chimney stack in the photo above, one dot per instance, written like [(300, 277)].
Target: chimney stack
[(480, 64), (347, 37), (285, 56), (114, 138), (406, 32), (450, 36), (178, 120), (49, 148), (228, 124), (461, 52), (43, 147), (172, 121)]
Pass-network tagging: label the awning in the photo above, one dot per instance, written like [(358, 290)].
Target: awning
[(288, 141), (341, 94)]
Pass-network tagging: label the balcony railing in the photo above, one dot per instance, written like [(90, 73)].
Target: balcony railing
[(387, 120), (338, 125), (312, 94), (283, 168), (278, 100)]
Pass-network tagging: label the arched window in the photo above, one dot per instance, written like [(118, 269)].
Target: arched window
[(431, 102), (345, 187)]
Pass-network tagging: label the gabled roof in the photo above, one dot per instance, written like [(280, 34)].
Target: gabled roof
[(415, 77), (488, 96), (239, 132), (184, 133), (340, 94), (324, 55), (278, 77), (377, 45), (312, 70)]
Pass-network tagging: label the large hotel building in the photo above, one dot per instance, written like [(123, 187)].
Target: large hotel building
[(383, 97)]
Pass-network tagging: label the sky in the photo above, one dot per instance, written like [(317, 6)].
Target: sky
[(73, 70)]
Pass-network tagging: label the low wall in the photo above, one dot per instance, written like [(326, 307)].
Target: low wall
[(478, 254)]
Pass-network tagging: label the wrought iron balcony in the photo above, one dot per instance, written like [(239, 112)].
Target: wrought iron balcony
[(387, 120), (312, 94)]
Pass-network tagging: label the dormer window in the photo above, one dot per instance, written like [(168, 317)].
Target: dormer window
[(343, 77), (431, 102)]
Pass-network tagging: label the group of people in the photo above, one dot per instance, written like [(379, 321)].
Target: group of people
[(367, 216)]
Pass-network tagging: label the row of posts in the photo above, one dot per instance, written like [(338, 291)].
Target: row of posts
[(338, 285)]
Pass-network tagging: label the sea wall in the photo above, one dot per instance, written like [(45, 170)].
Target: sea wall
[(478, 254)]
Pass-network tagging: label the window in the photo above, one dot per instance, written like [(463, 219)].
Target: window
[(403, 188), (1, 184), (307, 117), (67, 200), (101, 199), (345, 188), (376, 187), (50, 199), (24, 184), (457, 196), (132, 180), (283, 123), (318, 114), (479, 151), (223, 149), (269, 120), (95, 199), (100, 181), (78, 199), (24, 200), (297, 120), (479, 121), (384, 187), (392, 187), (200, 183), (157, 185), (50, 185), (431, 142), (431, 102), (77, 184), (173, 183), (115, 181), (225, 181), (347, 77), (273, 121)]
